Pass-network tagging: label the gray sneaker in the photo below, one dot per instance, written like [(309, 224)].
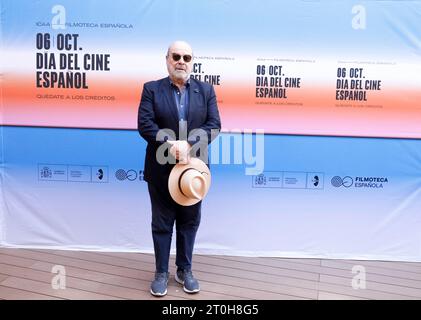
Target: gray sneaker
[(159, 285), (185, 277)]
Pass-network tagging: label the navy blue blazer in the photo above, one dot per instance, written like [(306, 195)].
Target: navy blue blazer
[(158, 110)]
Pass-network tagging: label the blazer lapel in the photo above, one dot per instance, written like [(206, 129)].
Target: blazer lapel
[(170, 100)]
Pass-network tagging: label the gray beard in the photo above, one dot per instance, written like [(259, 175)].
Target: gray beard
[(180, 75)]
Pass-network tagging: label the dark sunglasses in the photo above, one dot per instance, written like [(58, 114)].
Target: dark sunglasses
[(177, 57)]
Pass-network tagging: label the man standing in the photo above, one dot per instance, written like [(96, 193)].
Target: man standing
[(180, 114)]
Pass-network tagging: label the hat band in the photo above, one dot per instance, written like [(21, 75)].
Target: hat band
[(179, 180)]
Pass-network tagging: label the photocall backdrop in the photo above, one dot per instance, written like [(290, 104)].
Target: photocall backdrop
[(335, 85)]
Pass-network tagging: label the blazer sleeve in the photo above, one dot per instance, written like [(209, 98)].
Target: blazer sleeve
[(212, 126), (146, 123)]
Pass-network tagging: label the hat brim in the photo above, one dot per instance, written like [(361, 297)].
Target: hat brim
[(174, 177)]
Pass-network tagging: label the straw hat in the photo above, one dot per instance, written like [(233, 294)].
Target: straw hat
[(189, 183)]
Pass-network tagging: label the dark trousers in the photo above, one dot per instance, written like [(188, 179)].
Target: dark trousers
[(165, 211)]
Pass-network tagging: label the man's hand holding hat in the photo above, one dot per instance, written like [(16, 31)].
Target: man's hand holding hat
[(180, 150)]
